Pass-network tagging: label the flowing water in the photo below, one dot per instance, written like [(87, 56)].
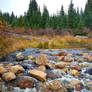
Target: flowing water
[(63, 77)]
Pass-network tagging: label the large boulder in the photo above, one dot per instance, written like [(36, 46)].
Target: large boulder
[(42, 60), (38, 74), (17, 69), (8, 76)]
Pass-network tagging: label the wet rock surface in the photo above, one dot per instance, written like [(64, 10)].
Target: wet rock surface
[(47, 70)]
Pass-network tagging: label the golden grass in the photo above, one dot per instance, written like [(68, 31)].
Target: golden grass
[(61, 42), (11, 44)]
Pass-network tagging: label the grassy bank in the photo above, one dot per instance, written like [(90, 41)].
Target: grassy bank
[(11, 44)]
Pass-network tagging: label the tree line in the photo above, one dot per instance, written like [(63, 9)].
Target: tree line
[(34, 19)]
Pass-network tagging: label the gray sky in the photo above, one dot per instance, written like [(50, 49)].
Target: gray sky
[(21, 6)]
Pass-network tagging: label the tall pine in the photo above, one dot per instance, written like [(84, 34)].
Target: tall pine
[(45, 17), (88, 14), (33, 15), (63, 20), (71, 15)]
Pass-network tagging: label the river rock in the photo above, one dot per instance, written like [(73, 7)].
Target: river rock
[(89, 71), (61, 58), (61, 65), (81, 59), (42, 60), (58, 72), (85, 54), (68, 59), (52, 75), (72, 83), (74, 73), (3, 70), (55, 54), (88, 85), (26, 83), (17, 69), (41, 67), (8, 66), (66, 70), (20, 74), (78, 87), (90, 58), (53, 86), (30, 57), (2, 65), (62, 53), (85, 64), (77, 67), (50, 66), (19, 57), (9, 76), (38, 74)]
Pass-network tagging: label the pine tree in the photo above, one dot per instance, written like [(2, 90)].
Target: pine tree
[(12, 18), (0, 14), (20, 22), (71, 15), (6, 17), (33, 15), (33, 7), (76, 19), (88, 14), (62, 18), (62, 13), (45, 17)]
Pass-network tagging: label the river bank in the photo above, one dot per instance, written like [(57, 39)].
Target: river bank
[(13, 42)]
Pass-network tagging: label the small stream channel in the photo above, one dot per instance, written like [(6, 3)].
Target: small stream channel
[(84, 80)]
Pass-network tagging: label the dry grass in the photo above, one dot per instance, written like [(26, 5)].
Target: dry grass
[(61, 42), (11, 44)]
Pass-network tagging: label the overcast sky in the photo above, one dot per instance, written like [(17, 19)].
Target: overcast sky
[(21, 6)]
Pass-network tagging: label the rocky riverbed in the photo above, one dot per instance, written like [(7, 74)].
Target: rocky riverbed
[(47, 70)]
